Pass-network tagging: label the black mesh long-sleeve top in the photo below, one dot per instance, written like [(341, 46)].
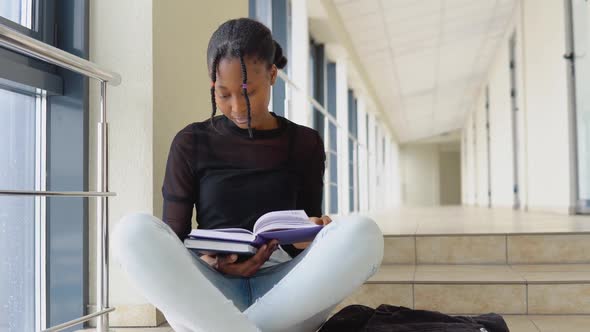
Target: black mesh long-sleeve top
[(232, 179)]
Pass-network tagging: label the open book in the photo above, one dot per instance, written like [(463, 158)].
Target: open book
[(290, 226)]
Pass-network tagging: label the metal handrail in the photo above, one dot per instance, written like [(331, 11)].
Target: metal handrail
[(55, 193), (78, 320), (28, 46)]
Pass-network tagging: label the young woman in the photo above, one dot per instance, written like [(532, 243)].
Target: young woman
[(233, 168)]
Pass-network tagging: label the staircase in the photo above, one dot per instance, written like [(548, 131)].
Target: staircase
[(537, 281)]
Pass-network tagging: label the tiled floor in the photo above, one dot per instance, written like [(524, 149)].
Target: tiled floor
[(474, 220), (548, 323)]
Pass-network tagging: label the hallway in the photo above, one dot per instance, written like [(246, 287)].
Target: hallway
[(462, 127)]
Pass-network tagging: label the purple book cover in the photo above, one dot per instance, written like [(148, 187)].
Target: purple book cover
[(288, 236)]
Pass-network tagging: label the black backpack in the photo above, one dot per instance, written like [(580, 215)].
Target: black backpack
[(360, 318)]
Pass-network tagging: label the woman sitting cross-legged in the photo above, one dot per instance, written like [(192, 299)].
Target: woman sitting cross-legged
[(234, 168)]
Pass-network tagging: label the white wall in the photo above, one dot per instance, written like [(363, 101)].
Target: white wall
[(395, 182), (363, 156), (449, 175), (481, 152), (372, 163), (431, 174), (300, 110), (501, 145), (468, 173), (420, 173), (121, 40), (546, 105), (542, 100), (181, 79)]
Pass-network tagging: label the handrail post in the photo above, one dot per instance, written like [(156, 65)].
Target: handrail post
[(102, 210)]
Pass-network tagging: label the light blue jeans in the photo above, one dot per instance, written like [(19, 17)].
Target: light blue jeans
[(297, 295)]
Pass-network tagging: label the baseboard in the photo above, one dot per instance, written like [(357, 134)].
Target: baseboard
[(132, 315)]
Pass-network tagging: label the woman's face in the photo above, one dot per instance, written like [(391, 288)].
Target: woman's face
[(229, 95)]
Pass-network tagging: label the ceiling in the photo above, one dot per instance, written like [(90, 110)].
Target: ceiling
[(426, 59)]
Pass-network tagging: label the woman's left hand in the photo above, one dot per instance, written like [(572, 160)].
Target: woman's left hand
[(323, 221)]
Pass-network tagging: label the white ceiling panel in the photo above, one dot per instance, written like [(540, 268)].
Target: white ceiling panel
[(356, 8), (412, 10), (426, 58), (367, 21)]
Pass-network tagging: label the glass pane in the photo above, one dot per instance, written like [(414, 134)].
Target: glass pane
[(17, 214), (350, 150), (331, 80), (333, 199), (333, 137), (351, 175), (18, 11), (319, 122), (333, 161)]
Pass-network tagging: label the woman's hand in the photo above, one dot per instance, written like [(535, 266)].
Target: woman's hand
[(323, 220), (227, 263)]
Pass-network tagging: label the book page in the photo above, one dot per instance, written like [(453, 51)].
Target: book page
[(287, 219), (232, 234)]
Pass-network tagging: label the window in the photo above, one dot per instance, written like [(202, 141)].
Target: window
[(20, 132), (276, 15), (280, 32), (353, 151), (43, 146), (19, 137), (18, 11), (317, 87), (332, 146)]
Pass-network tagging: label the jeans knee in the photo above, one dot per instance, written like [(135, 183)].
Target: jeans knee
[(131, 228), (362, 228), (364, 233)]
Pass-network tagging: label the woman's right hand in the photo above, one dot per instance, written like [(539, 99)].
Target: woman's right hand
[(227, 263)]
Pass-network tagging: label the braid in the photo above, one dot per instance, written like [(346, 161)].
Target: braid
[(213, 80), (245, 89)]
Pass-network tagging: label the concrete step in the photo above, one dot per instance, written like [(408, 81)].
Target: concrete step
[(516, 289), (513, 248)]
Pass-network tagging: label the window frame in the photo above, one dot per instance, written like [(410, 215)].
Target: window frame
[(23, 70)]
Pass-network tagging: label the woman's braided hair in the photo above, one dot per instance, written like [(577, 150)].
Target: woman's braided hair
[(238, 38)]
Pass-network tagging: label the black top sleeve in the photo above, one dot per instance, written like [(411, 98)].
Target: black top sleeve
[(310, 196), (180, 190)]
